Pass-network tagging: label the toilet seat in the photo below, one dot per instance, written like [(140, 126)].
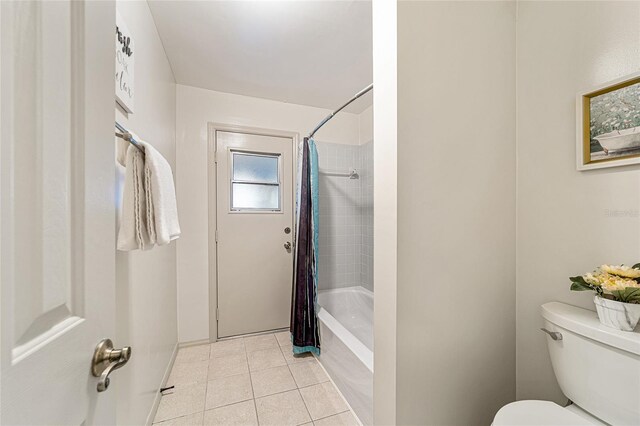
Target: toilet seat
[(539, 413)]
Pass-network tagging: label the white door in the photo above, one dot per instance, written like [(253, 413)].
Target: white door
[(57, 209), (254, 232)]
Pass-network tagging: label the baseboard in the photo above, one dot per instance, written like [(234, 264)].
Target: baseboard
[(193, 343), (163, 383), (257, 333)]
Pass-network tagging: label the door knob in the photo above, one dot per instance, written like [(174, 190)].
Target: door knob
[(106, 359), (287, 245)]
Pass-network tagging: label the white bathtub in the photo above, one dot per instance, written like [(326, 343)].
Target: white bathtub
[(346, 332)]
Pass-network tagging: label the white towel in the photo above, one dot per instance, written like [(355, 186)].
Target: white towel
[(162, 208), (149, 209), (133, 232), (121, 151)]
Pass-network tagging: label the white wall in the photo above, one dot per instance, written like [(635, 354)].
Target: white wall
[(366, 125), (146, 281), (456, 211), (563, 225), (195, 109), (385, 220)]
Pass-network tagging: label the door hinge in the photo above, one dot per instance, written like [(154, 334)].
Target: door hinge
[(217, 314), (216, 235)]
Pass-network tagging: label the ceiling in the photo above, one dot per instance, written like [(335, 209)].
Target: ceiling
[(316, 53)]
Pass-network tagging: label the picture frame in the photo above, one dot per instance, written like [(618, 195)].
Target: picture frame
[(608, 124), (125, 66)]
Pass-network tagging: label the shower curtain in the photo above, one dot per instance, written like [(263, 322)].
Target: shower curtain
[(305, 334)]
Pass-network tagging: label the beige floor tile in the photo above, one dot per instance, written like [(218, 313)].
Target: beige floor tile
[(182, 401), (259, 342), (228, 390), (323, 400), (188, 373), (293, 359), (265, 358), (190, 420), (240, 414), (308, 373), (283, 338), (193, 354), (227, 347), (282, 409), (272, 380), (343, 419), (229, 365)]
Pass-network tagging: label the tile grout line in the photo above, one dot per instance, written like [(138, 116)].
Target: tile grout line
[(232, 375), (206, 386), (240, 374), (339, 392), (336, 414), (296, 383), (253, 393), (184, 386), (278, 393), (298, 388)]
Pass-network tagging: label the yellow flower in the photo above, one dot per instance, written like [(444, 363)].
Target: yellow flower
[(621, 271), (591, 279), (611, 283)]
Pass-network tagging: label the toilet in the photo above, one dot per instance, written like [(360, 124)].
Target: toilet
[(597, 368)]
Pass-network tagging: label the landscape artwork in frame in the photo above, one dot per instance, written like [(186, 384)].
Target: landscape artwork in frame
[(608, 125)]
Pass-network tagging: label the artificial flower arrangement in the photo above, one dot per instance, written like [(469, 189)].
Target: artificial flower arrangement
[(617, 297)]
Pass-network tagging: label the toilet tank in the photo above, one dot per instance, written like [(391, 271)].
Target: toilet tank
[(597, 367)]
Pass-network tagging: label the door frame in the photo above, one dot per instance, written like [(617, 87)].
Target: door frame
[(212, 202)]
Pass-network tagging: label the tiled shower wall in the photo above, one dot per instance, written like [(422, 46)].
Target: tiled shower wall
[(366, 212), (346, 216)]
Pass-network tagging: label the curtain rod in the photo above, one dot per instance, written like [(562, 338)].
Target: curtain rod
[(330, 116)]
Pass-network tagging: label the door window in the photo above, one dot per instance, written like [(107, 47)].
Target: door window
[(255, 182)]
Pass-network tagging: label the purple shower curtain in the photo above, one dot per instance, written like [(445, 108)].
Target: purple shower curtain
[(305, 334)]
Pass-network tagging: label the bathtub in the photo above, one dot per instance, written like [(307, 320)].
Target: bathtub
[(346, 333)]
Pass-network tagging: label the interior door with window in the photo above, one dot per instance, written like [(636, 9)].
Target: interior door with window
[(57, 204), (254, 178)]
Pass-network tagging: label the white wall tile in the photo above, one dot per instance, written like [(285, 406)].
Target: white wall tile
[(346, 217)]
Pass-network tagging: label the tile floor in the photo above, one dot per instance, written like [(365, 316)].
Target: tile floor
[(252, 380)]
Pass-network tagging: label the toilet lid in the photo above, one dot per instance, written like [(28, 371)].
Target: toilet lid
[(537, 413)]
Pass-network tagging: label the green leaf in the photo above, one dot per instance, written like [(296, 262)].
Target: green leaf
[(631, 294), (579, 284), (628, 295), (576, 286), (579, 279)]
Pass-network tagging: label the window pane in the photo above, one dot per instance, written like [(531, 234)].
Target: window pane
[(255, 196), (255, 168)]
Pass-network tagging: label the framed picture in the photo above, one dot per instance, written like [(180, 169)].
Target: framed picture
[(608, 124), (125, 61)]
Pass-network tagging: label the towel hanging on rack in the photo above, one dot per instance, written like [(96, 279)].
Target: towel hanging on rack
[(133, 234), (149, 208)]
